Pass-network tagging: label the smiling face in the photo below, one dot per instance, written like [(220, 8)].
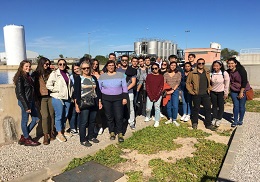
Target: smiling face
[(111, 67), (46, 65), (134, 62), (76, 70), (141, 62), (200, 64), (95, 65), (173, 66), (187, 67), (232, 65), (85, 67), (164, 65), (155, 69), (216, 67), (27, 67), (62, 65)]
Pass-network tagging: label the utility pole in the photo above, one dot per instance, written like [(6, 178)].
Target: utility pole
[(89, 43)]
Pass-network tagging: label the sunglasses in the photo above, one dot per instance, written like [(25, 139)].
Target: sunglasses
[(154, 68), (164, 64), (62, 64), (85, 68), (47, 64), (125, 60), (201, 63)]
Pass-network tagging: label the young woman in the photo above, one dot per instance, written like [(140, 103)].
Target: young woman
[(96, 72), (154, 93), (84, 85), (114, 96), (164, 67), (173, 78), (73, 115), (41, 76), (220, 87), (186, 97), (60, 88), (238, 87), (24, 90)]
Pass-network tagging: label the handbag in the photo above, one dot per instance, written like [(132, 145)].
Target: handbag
[(250, 94), (164, 93), (88, 100)]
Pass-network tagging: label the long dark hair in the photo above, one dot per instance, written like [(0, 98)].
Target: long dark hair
[(222, 69), (73, 65), (40, 67), (20, 71), (238, 64), (175, 70), (92, 62)]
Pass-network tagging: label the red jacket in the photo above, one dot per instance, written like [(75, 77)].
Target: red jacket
[(154, 86), (166, 87)]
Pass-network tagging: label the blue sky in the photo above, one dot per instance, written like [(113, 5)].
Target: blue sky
[(54, 27)]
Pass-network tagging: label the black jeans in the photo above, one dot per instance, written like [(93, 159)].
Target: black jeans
[(87, 116), (205, 101), (114, 115), (217, 100)]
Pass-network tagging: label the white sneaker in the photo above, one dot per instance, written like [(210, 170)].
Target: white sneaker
[(100, 132), (156, 124), (214, 121), (168, 122), (218, 122), (162, 116), (183, 117), (187, 118), (175, 122), (147, 119)]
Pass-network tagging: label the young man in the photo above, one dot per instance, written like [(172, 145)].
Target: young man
[(147, 62), (198, 85), (130, 73), (191, 58)]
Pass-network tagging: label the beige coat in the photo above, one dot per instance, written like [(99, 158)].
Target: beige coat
[(58, 87), (192, 82)]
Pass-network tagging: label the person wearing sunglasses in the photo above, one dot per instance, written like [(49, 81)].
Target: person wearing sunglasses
[(198, 85), (164, 67), (154, 88), (59, 84), (87, 84), (41, 76)]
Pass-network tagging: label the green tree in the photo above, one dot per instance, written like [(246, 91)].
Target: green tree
[(227, 53), (87, 56), (61, 56), (102, 59)]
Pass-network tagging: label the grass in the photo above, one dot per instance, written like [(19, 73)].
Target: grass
[(152, 140), (225, 132), (203, 166)]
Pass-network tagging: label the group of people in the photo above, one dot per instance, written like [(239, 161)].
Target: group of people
[(123, 90)]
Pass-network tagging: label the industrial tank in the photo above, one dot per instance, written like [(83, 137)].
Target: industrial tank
[(215, 45), (170, 48), (174, 49), (152, 47), (159, 49), (15, 49), (164, 50), (137, 47), (167, 49)]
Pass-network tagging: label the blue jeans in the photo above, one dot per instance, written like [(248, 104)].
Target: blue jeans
[(87, 116), (149, 105), (186, 102), (75, 119), (239, 107), (25, 117), (61, 109), (172, 105)]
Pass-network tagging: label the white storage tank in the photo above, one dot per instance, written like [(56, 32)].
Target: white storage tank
[(215, 45), (170, 49), (137, 46), (152, 47), (164, 50), (14, 38), (159, 49), (174, 49)]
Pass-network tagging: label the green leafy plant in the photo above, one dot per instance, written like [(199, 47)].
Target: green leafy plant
[(135, 176)]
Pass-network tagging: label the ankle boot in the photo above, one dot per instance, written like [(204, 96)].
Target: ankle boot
[(120, 137), (30, 142), (46, 140), (22, 140), (53, 135)]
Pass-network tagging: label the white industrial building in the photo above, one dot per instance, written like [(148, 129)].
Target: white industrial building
[(31, 55)]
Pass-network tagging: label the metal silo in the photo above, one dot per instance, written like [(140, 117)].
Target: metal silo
[(174, 49), (137, 46), (159, 49), (170, 48), (164, 50), (15, 48), (167, 49), (153, 47)]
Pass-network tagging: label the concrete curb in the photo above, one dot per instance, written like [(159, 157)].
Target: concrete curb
[(230, 157), (57, 168)]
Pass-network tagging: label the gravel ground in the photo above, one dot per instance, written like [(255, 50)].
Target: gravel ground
[(17, 160), (246, 166)]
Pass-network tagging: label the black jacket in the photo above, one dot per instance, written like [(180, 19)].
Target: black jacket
[(24, 91)]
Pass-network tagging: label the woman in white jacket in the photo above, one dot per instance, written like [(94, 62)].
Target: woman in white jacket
[(60, 88)]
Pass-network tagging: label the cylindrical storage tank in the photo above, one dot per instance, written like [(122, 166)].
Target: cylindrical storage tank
[(152, 47), (164, 50), (170, 48), (15, 48), (174, 49), (137, 46), (159, 49), (167, 49), (215, 45)]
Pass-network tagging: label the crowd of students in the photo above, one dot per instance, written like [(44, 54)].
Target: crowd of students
[(121, 91)]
